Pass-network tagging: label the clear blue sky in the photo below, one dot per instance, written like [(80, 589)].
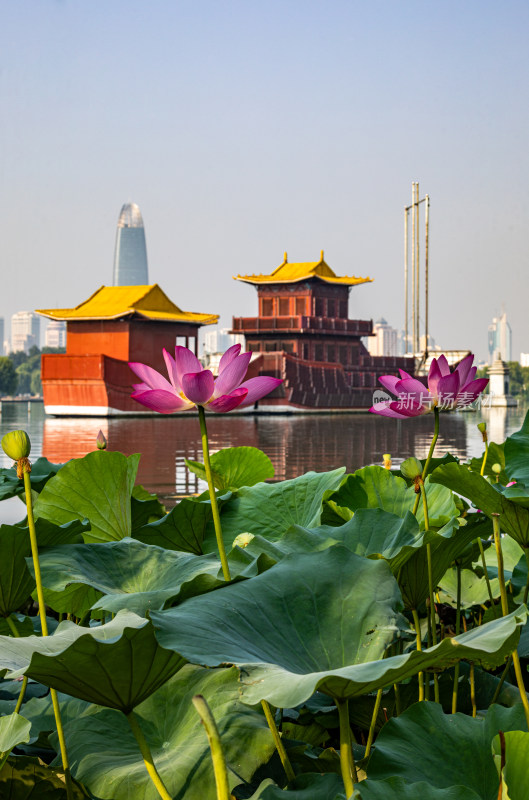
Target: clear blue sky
[(246, 128)]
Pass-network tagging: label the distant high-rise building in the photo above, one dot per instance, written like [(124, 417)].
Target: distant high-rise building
[(218, 341), (55, 334), (385, 340), (1, 336), (130, 255), (25, 331), (500, 339)]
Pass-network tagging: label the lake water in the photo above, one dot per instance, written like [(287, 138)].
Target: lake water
[(295, 444)]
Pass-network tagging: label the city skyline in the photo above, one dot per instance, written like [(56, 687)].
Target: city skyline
[(239, 144)]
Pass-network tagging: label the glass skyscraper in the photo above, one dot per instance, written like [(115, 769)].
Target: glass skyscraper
[(130, 255)]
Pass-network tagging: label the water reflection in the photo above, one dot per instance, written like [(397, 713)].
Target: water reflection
[(295, 444)]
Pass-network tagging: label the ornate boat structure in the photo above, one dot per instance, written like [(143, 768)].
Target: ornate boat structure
[(117, 324), (303, 334)]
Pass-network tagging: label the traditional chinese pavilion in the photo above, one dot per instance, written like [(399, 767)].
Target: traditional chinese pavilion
[(303, 334), (117, 324)]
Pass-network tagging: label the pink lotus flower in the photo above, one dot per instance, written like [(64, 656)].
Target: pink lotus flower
[(191, 385), (446, 390)]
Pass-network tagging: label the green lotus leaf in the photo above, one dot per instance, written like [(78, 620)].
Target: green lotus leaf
[(41, 471), (514, 777), (271, 509), (235, 467), (424, 744), (514, 516), (177, 739), (74, 599), (446, 545), (16, 581), (317, 621), (399, 789), (27, 778), (116, 665), (376, 487), (128, 573), (145, 507), (495, 455), (474, 590), (517, 454), (98, 487), (39, 712), (24, 625), (310, 786), (372, 533), (14, 730), (183, 528)]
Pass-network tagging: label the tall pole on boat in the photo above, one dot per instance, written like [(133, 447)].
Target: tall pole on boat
[(413, 269), (406, 288), (417, 273), (426, 286)]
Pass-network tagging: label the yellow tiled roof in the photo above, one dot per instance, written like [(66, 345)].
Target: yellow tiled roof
[(113, 302), (293, 273)]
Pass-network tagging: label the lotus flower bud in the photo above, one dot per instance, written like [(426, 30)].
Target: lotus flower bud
[(243, 540), (387, 460), (482, 428), (16, 445), (101, 442), (411, 468), (496, 468)]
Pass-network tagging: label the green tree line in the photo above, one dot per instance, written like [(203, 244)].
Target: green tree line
[(20, 372), (519, 379)]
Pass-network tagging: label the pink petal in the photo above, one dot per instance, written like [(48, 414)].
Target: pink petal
[(185, 361), (149, 376), (388, 382), (443, 365), (447, 390), (385, 411), (231, 353), (414, 391), (228, 401), (141, 387), (171, 370), (258, 387), (470, 391), (407, 407), (434, 376), (232, 375), (404, 374), (161, 401), (463, 368), (198, 386), (470, 377)]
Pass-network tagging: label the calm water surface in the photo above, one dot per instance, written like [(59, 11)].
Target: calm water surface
[(295, 444)]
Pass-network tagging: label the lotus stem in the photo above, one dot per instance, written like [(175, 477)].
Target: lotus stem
[(526, 592), (371, 734), (15, 632), (419, 647), (215, 744), (458, 630), (505, 611), (347, 762), (430, 453), (44, 624), (212, 495), (11, 625), (473, 690), (502, 680), (484, 462), (485, 570), (147, 756), (433, 623), (280, 747)]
